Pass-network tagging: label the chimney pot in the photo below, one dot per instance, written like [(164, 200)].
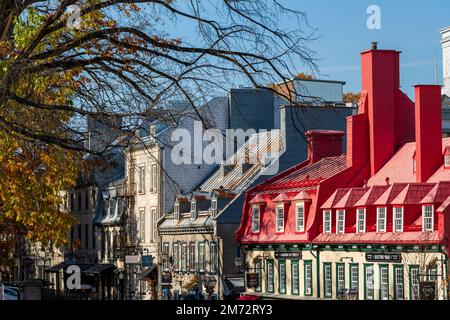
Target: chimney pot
[(374, 45)]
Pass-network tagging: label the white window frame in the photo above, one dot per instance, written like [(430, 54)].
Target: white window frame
[(340, 277), (354, 277), (300, 217), (213, 207), (327, 221), (184, 256), (447, 160), (141, 176), (384, 285), (340, 221), (176, 211), (154, 214), (213, 256), (415, 282), (308, 278), (256, 219), (176, 256), (270, 277), (379, 230), (154, 178), (193, 210), (279, 227), (399, 286), (282, 270), (425, 223), (202, 256), (361, 220), (142, 223), (369, 278), (397, 220), (295, 273), (328, 284), (192, 249)]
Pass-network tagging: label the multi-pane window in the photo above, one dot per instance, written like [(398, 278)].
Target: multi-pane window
[(258, 270), (256, 216), (192, 256), (398, 219), (340, 221), (414, 282), (354, 277), (176, 257), (154, 178), (384, 282), (327, 221), (340, 277), (213, 207), (381, 219), (184, 256), (369, 279), (300, 215), (282, 276), (427, 219), (155, 224), (193, 209), (308, 278), (269, 279), (142, 225), (280, 218), (141, 177), (176, 211), (165, 250), (328, 281), (361, 220), (295, 277), (447, 160), (398, 283), (432, 273), (201, 257), (213, 253)]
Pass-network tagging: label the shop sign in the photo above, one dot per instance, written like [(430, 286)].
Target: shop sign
[(427, 290), (288, 254), (383, 257), (132, 259), (147, 261)]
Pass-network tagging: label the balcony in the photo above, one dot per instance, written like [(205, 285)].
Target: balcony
[(126, 189)]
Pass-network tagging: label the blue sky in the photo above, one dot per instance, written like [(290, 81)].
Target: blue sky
[(410, 26)]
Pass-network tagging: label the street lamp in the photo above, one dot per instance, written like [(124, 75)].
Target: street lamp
[(239, 263), (210, 283)]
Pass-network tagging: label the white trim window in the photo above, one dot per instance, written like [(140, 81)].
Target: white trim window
[(176, 211), (340, 277), (381, 219), (295, 277), (176, 257), (399, 284), (300, 216), (384, 283), (142, 224), (340, 221), (201, 256), (282, 270), (141, 178), (192, 256), (154, 178), (280, 218), (327, 221), (414, 278), (427, 218), (193, 209), (183, 257), (328, 286), (213, 207), (308, 278), (361, 220), (398, 219), (447, 160), (256, 219), (369, 278)]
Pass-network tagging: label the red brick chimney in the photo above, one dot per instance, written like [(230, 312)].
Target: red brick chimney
[(381, 81), (428, 131), (323, 143)]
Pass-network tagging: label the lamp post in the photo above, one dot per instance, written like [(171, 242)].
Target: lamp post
[(210, 283)]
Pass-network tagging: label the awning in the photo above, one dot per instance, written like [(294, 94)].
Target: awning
[(99, 268), (55, 268), (149, 272), (233, 285)]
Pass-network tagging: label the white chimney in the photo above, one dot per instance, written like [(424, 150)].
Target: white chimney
[(445, 41)]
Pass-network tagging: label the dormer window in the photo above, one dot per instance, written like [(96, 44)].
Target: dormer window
[(176, 211), (256, 218), (193, 210), (152, 133), (361, 220), (213, 207), (280, 218), (340, 221), (398, 219), (381, 219), (447, 161), (427, 218), (327, 221), (300, 216)]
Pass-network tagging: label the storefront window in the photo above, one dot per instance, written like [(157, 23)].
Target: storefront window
[(282, 276)]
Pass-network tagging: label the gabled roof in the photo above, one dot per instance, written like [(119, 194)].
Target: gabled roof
[(282, 197), (444, 205), (350, 198), (257, 199), (412, 194), (390, 194), (302, 195), (371, 196), (438, 194), (335, 198)]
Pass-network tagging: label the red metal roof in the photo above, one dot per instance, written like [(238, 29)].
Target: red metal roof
[(444, 205), (399, 169), (335, 198), (413, 193), (371, 196), (257, 199), (351, 198), (302, 195), (390, 194), (282, 197), (411, 237)]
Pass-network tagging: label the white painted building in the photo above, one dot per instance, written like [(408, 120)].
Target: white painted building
[(445, 41)]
